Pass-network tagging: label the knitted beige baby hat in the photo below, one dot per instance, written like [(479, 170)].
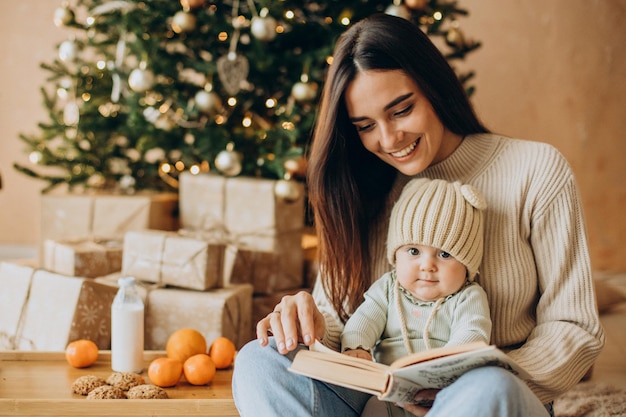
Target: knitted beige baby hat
[(437, 213)]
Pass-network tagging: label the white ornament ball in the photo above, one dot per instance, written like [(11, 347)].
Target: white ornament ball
[(208, 101), (263, 28), (399, 11), (67, 51), (416, 4), (141, 80), (304, 91), (63, 16), (127, 182), (183, 22), (228, 163), (287, 190)]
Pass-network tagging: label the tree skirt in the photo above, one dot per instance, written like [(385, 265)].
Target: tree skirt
[(591, 399)]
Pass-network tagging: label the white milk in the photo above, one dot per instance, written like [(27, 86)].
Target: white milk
[(127, 318)]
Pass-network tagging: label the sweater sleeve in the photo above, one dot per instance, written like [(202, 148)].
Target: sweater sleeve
[(471, 321), (365, 327), (568, 336), (334, 326)]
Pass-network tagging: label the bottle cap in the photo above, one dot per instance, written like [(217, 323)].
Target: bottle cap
[(126, 281)]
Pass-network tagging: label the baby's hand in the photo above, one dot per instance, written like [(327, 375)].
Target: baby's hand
[(358, 353)]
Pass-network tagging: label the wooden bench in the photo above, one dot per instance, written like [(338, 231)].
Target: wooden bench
[(39, 384)]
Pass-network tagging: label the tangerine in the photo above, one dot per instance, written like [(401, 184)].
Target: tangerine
[(199, 369), (81, 353), (222, 352), (165, 372), (184, 343)]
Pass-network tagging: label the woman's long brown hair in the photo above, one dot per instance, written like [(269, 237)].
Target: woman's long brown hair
[(348, 186)]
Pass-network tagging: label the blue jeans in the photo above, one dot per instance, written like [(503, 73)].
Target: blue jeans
[(262, 386)]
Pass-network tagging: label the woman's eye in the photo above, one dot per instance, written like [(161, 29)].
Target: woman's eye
[(363, 128), (404, 111)]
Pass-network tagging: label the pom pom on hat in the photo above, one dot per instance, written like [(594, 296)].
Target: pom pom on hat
[(438, 213)]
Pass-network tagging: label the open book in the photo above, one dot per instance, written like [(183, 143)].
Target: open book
[(400, 381)]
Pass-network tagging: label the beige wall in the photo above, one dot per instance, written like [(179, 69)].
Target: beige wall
[(550, 71)]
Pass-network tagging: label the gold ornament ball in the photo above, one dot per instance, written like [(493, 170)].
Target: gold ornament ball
[(454, 38), (296, 167), (228, 163), (416, 4), (63, 16), (304, 92), (263, 28), (287, 190), (183, 22), (192, 4), (208, 101)]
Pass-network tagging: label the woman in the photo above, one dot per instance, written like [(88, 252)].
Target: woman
[(393, 110)]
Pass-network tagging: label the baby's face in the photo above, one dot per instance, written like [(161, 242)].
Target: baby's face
[(429, 273)]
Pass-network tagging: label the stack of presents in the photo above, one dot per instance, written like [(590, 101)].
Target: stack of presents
[(216, 256)]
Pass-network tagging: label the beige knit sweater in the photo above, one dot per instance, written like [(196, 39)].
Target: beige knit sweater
[(536, 268)]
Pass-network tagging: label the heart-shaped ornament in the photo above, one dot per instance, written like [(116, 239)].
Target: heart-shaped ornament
[(232, 69)]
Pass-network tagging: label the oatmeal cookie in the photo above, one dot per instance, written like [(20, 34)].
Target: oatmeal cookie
[(106, 392), (83, 385), (147, 391), (125, 380)]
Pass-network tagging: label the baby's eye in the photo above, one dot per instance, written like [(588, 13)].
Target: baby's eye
[(445, 255), (414, 251)]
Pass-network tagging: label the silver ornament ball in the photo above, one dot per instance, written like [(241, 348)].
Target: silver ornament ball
[(287, 190), (208, 101), (399, 11), (304, 92), (67, 51), (141, 80), (263, 28), (228, 163)]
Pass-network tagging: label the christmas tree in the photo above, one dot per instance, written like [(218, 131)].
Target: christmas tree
[(144, 90)]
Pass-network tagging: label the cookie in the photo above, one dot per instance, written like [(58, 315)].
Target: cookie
[(147, 391), (125, 380), (83, 385), (106, 392)]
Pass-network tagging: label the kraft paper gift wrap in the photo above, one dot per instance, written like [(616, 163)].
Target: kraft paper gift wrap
[(96, 216), (41, 310), (275, 265), (83, 258), (220, 312), (243, 207), (167, 258)]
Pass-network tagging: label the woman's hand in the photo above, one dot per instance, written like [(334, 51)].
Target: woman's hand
[(295, 319), (423, 401)]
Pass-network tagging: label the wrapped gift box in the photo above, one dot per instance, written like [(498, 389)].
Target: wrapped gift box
[(241, 206), (96, 216), (83, 258), (41, 310), (274, 266), (167, 258), (220, 312)]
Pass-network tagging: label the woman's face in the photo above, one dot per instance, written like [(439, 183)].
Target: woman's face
[(396, 122)]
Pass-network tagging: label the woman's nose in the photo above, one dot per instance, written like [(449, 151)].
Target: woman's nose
[(389, 136)]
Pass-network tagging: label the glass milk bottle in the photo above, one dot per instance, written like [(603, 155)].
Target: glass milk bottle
[(127, 313)]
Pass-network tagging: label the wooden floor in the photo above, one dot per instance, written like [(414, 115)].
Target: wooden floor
[(611, 365)]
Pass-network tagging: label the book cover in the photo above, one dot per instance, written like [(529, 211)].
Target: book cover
[(401, 380)]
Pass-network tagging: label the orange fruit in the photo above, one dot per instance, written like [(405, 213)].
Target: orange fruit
[(185, 343), (165, 372), (199, 369), (81, 353), (222, 352)]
